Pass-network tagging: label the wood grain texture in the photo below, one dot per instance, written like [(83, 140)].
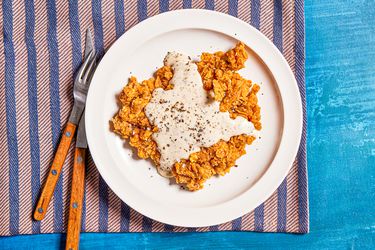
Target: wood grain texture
[(340, 79), (76, 200), (54, 173)]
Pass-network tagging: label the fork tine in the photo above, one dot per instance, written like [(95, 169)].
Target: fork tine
[(89, 70), (83, 68)]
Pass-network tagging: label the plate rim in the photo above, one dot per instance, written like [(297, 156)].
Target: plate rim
[(292, 125)]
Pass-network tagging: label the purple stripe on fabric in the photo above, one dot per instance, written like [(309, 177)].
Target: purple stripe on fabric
[(237, 224), (163, 5), (255, 13), (75, 31), (142, 10), (98, 26), (278, 25), (125, 217), (192, 229), (33, 108), (11, 122), (83, 219), (282, 189), (146, 224), (213, 228), (233, 7), (168, 228), (300, 77), (103, 205), (259, 218), (281, 207), (186, 4), (119, 16), (210, 4), (55, 106)]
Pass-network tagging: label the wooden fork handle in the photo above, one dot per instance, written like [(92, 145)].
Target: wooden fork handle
[(76, 200), (54, 173)]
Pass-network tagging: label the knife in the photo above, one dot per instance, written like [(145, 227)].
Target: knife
[(78, 189)]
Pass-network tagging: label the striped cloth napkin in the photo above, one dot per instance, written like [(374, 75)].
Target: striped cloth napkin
[(40, 50)]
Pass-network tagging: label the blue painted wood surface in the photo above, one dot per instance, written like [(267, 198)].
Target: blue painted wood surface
[(340, 78)]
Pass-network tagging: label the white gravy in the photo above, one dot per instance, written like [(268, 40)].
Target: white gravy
[(187, 116)]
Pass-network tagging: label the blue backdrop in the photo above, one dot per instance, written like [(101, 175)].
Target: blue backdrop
[(340, 79)]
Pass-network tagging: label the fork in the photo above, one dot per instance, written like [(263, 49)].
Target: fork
[(81, 85)]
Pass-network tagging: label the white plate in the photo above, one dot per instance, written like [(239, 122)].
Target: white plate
[(139, 52)]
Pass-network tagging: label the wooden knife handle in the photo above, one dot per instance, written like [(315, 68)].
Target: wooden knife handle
[(54, 173), (76, 200)]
